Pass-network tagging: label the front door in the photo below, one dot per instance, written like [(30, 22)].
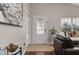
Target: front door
[(39, 29)]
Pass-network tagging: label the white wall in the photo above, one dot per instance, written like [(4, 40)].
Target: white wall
[(54, 12), (12, 34)]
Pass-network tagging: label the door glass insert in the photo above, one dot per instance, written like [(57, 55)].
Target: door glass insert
[(40, 26)]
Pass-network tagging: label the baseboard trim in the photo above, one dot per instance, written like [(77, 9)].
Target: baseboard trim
[(40, 43)]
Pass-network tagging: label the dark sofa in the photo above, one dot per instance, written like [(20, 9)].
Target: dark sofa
[(64, 46)]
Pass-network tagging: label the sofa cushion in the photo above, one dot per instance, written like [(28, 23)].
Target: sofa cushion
[(66, 40)]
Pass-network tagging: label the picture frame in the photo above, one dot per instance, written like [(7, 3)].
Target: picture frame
[(11, 14)]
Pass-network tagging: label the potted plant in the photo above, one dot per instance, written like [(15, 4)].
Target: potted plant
[(53, 31), (12, 47)]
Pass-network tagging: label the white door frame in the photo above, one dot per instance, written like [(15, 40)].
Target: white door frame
[(46, 29)]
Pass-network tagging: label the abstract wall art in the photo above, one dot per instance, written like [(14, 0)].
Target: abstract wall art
[(11, 13)]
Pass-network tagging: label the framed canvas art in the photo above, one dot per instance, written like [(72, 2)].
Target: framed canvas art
[(11, 13)]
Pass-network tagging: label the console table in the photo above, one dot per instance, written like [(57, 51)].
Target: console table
[(75, 40)]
